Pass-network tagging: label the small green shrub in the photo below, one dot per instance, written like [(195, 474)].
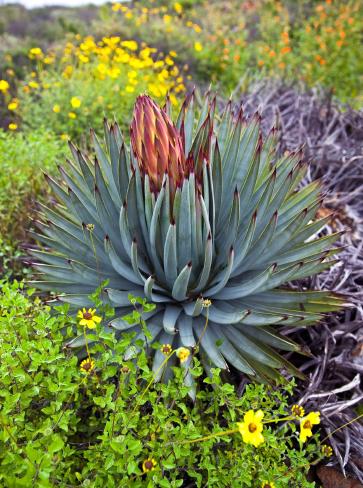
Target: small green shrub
[(22, 159), (62, 427), (12, 261)]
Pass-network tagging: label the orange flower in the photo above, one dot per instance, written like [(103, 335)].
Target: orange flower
[(285, 50), (285, 37), (320, 60)]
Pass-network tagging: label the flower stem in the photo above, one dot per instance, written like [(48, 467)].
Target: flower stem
[(282, 419), (153, 378), (342, 427), (211, 436)]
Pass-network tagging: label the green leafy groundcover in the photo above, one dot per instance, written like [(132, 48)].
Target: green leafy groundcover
[(63, 427)]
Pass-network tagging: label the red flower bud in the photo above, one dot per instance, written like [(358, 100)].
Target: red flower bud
[(157, 144)]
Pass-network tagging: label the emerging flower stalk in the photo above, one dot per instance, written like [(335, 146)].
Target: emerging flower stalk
[(160, 147), (157, 145)]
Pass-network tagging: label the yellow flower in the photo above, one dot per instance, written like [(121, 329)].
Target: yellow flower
[(102, 68), (35, 52), (166, 349), (326, 450), (198, 46), (113, 72), (169, 61), (268, 484), (297, 410), (132, 45), (48, 60), (116, 7), (178, 8), (4, 86), (13, 105), (251, 428), (33, 84), (306, 424), (111, 41), (173, 99), (13, 126), (72, 115), (56, 108), (68, 70), (87, 366), (75, 102), (64, 137), (149, 465), (84, 59), (183, 353), (130, 89), (88, 318)]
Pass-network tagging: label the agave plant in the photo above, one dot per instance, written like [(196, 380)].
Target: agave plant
[(201, 218)]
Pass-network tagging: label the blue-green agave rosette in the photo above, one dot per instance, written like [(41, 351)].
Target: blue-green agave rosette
[(197, 211)]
